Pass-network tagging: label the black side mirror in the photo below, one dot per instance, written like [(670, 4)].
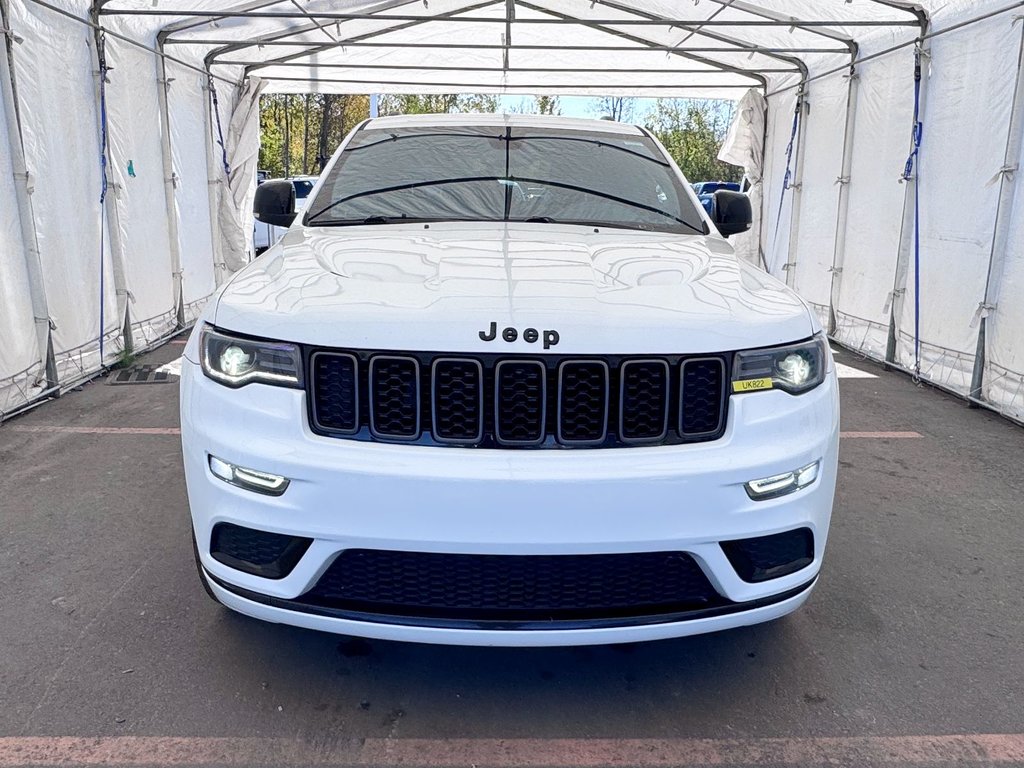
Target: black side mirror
[(732, 212), (275, 203)]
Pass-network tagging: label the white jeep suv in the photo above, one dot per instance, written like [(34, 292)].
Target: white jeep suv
[(503, 383)]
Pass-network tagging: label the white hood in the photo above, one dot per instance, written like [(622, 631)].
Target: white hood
[(435, 288)]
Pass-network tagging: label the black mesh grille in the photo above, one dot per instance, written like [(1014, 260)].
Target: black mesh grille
[(394, 397), (271, 555), (335, 392), (703, 396), (583, 402), (496, 401), (531, 587), (769, 557), (644, 405), (521, 402), (458, 400)]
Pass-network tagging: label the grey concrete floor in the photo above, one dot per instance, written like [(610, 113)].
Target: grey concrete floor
[(915, 628)]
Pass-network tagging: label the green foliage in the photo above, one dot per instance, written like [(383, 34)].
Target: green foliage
[(693, 130), (547, 105), (437, 103), (298, 134)]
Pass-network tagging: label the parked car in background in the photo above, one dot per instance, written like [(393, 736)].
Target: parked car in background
[(265, 235), (706, 192)]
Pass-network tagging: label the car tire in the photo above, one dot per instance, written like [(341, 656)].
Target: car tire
[(199, 569)]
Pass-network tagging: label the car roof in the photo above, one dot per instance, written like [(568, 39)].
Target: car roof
[(505, 120)]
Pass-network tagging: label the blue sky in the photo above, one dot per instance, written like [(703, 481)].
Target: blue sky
[(576, 106)]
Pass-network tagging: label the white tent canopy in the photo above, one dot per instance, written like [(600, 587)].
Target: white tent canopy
[(129, 132)]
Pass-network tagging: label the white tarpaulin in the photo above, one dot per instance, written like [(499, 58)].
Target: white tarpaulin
[(920, 265)]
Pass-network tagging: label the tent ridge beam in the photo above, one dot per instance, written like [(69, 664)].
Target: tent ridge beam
[(512, 70), (341, 16), (653, 48)]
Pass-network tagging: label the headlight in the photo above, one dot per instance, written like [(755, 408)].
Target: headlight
[(794, 369), (236, 362)]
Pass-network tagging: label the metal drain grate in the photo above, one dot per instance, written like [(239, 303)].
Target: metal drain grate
[(142, 374)]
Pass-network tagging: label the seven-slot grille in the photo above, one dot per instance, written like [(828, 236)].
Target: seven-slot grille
[(494, 401)]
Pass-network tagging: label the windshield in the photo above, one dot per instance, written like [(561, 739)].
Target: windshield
[(504, 174)]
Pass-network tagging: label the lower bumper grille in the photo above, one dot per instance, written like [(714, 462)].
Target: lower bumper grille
[(528, 588), (270, 555), (769, 557)]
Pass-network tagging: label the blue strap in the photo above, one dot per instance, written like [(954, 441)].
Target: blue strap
[(914, 162), (789, 158), (220, 130)]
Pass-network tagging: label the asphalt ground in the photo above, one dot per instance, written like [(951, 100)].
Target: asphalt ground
[(910, 651)]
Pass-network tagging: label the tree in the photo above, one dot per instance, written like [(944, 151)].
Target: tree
[(547, 105), (302, 134), (693, 130), (618, 108)]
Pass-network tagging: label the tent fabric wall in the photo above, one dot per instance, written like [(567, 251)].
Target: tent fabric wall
[(137, 175), (21, 360), (177, 222), (63, 157)]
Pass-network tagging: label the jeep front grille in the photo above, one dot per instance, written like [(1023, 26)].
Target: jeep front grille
[(500, 401)]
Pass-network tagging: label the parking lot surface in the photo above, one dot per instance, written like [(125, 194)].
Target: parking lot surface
[(909, 651)]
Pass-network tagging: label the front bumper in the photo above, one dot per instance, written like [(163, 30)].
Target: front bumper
[(371, 496)]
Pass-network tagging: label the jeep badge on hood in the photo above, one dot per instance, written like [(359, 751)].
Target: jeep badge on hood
[(530, 335)]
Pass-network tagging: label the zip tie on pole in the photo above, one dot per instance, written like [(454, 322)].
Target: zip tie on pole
[(891, 297), (914, 162), (220, 130), (982, 312)]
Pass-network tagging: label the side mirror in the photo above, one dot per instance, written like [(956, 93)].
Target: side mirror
[(732, 212), (275, 203)]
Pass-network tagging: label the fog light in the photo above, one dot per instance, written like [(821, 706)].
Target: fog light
[(250, 479), (779, 485)]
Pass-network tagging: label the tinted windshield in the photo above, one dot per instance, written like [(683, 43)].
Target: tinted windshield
[(501, 174)]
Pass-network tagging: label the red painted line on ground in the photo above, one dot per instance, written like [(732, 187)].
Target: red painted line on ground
[(883, 435), (179, 341), (100, 430), (157, 751)]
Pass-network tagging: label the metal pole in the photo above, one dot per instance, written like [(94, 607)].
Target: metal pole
[(215, 188), (170, 184), (1004, 215), (797, 186), (843, 212), (23, 193), (112, 220), (899, 291)]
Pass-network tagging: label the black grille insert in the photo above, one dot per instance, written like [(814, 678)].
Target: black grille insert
[(520, 402), (335, 392), (511, 587), (702, 408), (583, 402), (395, 397), (458, 400), (644, 400), (270, 555)]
